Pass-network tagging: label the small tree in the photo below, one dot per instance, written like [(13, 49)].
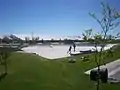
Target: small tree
[(27, 39), (87, 34), (107, 22), (36, 39), (42, 40), (3, 60)]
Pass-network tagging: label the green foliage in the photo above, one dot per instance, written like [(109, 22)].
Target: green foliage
[(97, 38), (87, 35), (31, 72), (107, 22), (5, 52), (3, 60)]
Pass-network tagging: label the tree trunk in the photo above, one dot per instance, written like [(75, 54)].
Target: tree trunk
[(98, 78), (5, 66)]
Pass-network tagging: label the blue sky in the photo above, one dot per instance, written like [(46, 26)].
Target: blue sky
[(49, 17)]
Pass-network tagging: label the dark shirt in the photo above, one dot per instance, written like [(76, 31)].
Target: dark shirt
[(70, 48)]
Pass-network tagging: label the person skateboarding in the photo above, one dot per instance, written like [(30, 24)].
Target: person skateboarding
[(69, 51), (74, 46)]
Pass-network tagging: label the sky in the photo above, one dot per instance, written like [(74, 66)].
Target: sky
[(50, 17)]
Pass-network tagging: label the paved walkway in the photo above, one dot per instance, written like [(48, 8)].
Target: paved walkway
[(113, 69), (58, 51)]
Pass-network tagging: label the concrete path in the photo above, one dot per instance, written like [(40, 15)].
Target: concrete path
[(57, 51), (113, 69)]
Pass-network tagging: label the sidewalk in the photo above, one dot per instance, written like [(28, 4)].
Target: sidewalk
[(113, 69)]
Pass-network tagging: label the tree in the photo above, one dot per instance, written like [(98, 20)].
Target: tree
[(27, 39), (3, 60), (36, 39), (87, 34), (108, 21), (42, 41)]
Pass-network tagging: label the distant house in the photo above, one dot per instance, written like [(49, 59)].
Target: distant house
[(6, 39), (10, 39), (15, 38)]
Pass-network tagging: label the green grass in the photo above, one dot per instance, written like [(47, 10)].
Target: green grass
[(30, 72)]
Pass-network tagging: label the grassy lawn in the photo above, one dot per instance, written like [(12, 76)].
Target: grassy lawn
[(30, 72)]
